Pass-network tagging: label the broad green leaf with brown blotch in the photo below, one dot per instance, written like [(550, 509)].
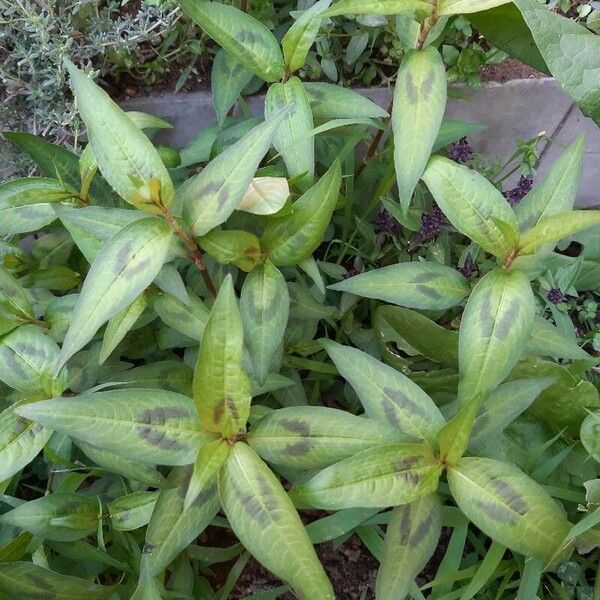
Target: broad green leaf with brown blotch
[(411, 538), (126, 157), (378, 477), (387, 395), (221, 385), (232, 247), (461, 7), (378, 7), (26, 204), (152, 426), (266, 522), (557, 191), (27, 359), (508, 506), (172, 529), (292, 139), (27, 580), (313, 437), (188, 319), (123, 268), (20, 442), (245, 38), (550, 230), (329, 101), (416, 284), (265, 196), (472, 204), (132, 511), (494, 329), (290, 239), (15, 304), (301, 36), (61, 516), (419, 102), (264, 308), (547, 340), (211, 196)]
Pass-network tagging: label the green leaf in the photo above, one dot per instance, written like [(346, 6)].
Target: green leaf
[(590, 435), (471, 203), (221, 386), (188, 319), (454, 437), (495, 327), (126, 157), (63, 517), (265, 196), (26, 580), (411, 538), (557, 191), (419, 104), (228, 79), (378, 477), (459, 7), (571, 51), (26, 204), (20, 442), (292, 139), (547, 340), (290, 239), (236, 247), (209, 461), (14, 300), (329, 101), (172, 529), (424, 285), (246, 39), (452, 130), (264, 309), (264, 519), (132, 511), (152, 426), (508, 506), (387, 395), (378, 7), (123, 269), (313, 437), (554, 228), (301, 35), (221, 187)]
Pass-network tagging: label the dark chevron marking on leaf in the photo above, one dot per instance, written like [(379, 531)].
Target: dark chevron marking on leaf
[(514, 500), (210, 187), (406, 463), (230, 403), (159, 416), (123, 255), (405, 526), (421, 532), (487, 319), (223, 196), (411, 90), (263, 508), (137, 268), (218, 412), (159, 438), (296, 425), (425, 277), (427, 84), (299, 448), (504, 324), (390, 413), (400, 400), (428, 291), (497, 512)]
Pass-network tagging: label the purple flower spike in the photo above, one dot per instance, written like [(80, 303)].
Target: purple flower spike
[(432, 223), (555, 296), (517, 194), (351, 272), (385, 223), (461, 151)]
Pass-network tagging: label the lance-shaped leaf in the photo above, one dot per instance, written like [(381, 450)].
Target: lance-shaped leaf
[(508, 506), (557, 191), (301, 35), (571, 51), (387, 395), (153, 426), (123, 269), (209, 461), (419, 103), (26, 580), (265, 196), (232, 247), (547, 340), (228, 79), (171, 528), (378, 7), (190, 319), (329, 101), (245, 38), (290, 239), (266, 522), (132, 511), (211, 196), (424, 285), (378, 477), (20, 442), (453, 439), (472, 204), (551, 229), (264, 308), (411, 538), (126, 157), (61, 517), (313, 437), (495, 327), (27, 358), (292, 139), (221, 386), (26, 204), (14, 301), (590, 435), (460, 7)]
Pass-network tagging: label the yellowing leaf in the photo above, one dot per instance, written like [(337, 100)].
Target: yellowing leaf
[(461, 7), (231, 246), (378, 7), (265, 196)]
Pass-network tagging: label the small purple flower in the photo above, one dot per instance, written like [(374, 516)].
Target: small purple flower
[(351, 272), (432, 223), (461, 151), (385, 223), (468, 267), (555, 296), (517, 194)]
